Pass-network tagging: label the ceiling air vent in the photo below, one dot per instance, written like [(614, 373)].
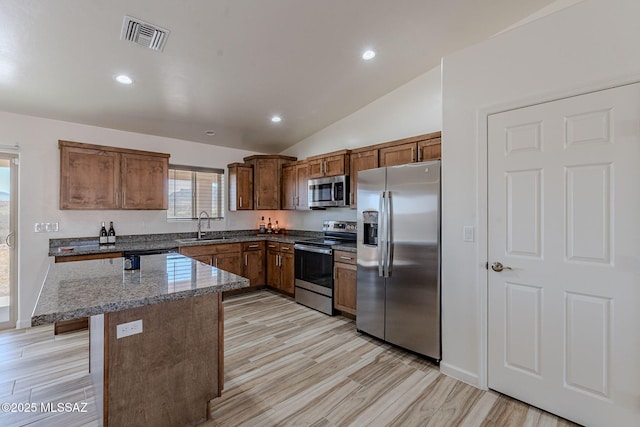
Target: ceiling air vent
[(142, 33)]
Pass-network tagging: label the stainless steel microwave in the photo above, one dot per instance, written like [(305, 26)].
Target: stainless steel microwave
[(330, 192)]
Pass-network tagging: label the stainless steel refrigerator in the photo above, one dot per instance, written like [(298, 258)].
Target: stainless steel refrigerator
[(398, 292)]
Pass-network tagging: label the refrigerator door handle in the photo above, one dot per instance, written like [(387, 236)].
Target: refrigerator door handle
[(382, 248), (389, 235)]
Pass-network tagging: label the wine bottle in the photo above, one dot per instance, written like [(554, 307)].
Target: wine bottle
[(269, 229), (276, 228), (103, 235), (263, 228), (111, 236)]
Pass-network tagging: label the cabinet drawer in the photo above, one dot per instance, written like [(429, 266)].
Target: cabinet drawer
[(222, 248), (273, 246), (286, 247), (344, 257), (252, 246)]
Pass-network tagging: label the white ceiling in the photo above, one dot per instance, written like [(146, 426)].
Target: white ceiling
[(229, 65)]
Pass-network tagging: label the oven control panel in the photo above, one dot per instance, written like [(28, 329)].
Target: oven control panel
[(340, 226)]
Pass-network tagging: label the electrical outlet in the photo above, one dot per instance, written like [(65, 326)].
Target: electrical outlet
[(127, 329)]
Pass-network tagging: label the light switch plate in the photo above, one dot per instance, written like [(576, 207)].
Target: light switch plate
[(128, 329), (468, 233)]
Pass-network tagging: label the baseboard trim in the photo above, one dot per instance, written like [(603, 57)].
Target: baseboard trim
[(20, 324), (460, 374)]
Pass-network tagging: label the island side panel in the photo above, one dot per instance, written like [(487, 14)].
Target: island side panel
[(96, 360), (167, 374)]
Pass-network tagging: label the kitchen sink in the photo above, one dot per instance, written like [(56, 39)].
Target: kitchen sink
[(204, 240)]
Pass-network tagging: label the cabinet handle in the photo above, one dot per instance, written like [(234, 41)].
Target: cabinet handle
[(216, 262), (284, 248), (351, 197), (412, 154), (117, 199), (253, 246), (277, 260), (246, 259), (335, 273), (240, 201), (257, 201), (346, 257), (272, 246), (419, 152)]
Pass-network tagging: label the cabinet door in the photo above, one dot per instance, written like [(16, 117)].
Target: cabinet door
[(287, 280), (335, 165), (89, 178), (360, 161), (144, 182), (316, 168), (302, 181), (398, 155), (253, 268), (289, 187), (206, 259), (240, 187), (429, 150), (266, 179), (273, 269), (344, 285), (230, 262)]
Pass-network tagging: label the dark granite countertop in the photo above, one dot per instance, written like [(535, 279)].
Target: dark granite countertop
[(88, 246), (73, 290)]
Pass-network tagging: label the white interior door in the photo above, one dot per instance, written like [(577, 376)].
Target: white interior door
[(564, 216), (8, 240)]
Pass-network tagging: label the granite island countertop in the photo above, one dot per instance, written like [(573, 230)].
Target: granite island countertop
[(86, 288)]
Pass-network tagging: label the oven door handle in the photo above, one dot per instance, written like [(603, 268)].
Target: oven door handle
[(315, 249)]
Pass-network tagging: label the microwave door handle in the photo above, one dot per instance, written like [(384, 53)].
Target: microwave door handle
[(334, 190)]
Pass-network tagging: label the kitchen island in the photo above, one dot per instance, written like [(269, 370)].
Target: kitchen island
[(156, 334)]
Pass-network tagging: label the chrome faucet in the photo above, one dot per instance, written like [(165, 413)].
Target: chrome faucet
[(200, 232)]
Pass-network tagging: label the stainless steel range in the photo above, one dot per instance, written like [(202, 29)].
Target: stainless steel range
[(314, 264)]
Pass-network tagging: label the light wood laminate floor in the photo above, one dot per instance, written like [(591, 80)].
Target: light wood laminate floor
[(285, 365)]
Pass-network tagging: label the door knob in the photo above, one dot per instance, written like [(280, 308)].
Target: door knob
[(497, 266)]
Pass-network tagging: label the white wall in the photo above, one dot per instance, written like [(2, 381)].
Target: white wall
[(586, 46), (414, 108), (39, 190)]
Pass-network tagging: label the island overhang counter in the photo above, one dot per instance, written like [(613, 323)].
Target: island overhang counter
[(156, 333)]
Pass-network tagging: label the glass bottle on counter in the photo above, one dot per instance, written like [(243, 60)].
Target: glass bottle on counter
[(276, 228), (263, 228), (269, 229), (111, 236), (103, 235)]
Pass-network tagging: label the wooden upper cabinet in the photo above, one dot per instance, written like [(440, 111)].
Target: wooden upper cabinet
[(360, 160), (330, 164), (267, 179), (102, 177), (409, 150), (295, 187), (144, 181), (240, 187), (429, 149), (89, 177), (398, 155)]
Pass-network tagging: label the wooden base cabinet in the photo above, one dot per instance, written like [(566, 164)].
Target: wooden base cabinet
[(225, 256), (254, 263), (280, 267), (344, 282)]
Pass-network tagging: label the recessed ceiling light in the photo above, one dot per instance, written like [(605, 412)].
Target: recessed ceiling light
[(368, 54), (209, 133), (124, 79), (276, 119)]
